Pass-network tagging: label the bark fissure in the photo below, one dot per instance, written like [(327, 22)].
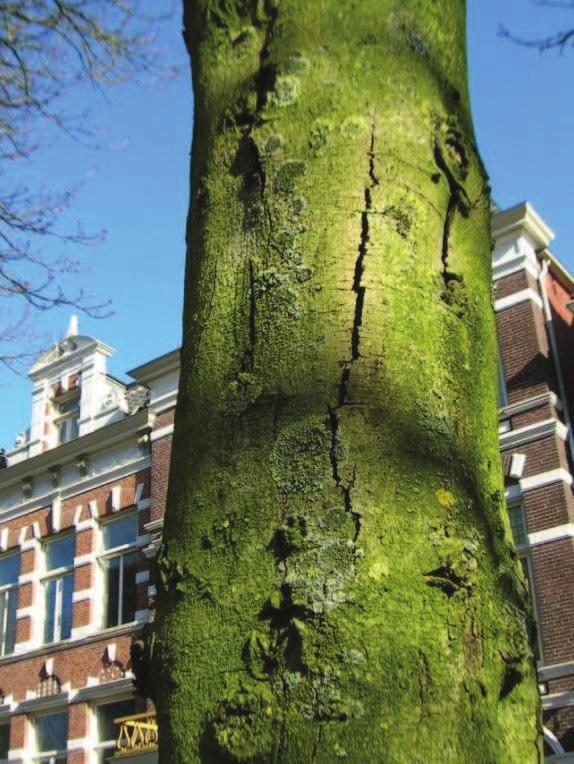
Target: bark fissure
[(345, 490), (358, 287), (458, 202), (252, 315)]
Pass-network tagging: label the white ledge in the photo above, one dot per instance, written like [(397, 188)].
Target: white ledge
[(532, 432), (518, 297), (547, 535)]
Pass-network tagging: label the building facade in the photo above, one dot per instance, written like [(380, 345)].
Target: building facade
[(83, 495)]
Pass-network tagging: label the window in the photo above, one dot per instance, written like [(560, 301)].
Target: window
[(59, 588), (9, 572), (68, 417), (50, 738), (502, 395), (517, 525), (4, 742), (119, 562), (107, 731)]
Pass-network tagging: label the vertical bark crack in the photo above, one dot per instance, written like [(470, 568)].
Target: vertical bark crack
[(345, 490), (458, 201), (358, 287)]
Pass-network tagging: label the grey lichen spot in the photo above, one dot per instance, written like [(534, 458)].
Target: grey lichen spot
[(288, 174), (320, 132), (273, 144), (401, 217), (299, 204), (285, 92), (295, 63), (242, 726), (303, 273), (275, 288), (243, 391), (301, 457), (353, 127)]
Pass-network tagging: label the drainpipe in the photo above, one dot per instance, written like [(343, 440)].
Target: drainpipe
[(554, 349)]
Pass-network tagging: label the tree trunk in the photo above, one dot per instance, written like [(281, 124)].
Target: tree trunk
[(336, 579)]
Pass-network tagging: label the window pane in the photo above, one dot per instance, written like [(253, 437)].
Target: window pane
[(107, 730), (112, 591), (9, 569), (50, 609), (10, 603), (66, 606), (517, 525), (129, 588), (122, 531), (51, 732), (4, 740), (60, 553)]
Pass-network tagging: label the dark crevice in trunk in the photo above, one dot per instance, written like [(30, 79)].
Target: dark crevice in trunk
[(358, 288), (458, 201), (334, 458)]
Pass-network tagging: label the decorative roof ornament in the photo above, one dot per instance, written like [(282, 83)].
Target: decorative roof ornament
[(72, 327)]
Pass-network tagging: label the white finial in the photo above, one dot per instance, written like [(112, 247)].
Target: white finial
[(72, 327)]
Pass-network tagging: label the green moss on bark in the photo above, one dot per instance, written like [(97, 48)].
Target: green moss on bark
[(336, 580)]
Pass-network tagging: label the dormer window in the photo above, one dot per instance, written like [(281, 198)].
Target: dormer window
[(68, 415)]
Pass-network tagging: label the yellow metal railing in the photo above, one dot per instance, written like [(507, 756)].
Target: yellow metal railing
[(138, 734)]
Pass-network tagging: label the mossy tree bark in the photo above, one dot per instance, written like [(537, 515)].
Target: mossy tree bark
[(336, 579)]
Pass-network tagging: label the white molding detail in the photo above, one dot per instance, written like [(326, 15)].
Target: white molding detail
[(556, 671), (4, 539), (84, 559), (546, 478), (151, 590), (45, 702), (532, 432), (96, 691), (93, 507), (116, 498), (509, 265), (558, 700), (514, 492), (56, 514), (144, 503), (82, 595), (516, 299), (85, 525), (161, 432), (142, 577), (79, 744), (25, 612), (18, 754), (530, 403), (82, 631), (547, 535), (142, 616)]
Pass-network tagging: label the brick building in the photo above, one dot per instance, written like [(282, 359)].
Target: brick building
[(83, 496)]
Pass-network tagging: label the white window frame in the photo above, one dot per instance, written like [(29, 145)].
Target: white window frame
[(48, 576), (103, 745), (47, 757), (5, 592), (106, 554)]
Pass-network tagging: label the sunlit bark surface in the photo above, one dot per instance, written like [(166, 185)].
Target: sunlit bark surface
[(336, 579)]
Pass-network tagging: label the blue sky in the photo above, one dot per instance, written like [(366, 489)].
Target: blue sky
[(137, 188)]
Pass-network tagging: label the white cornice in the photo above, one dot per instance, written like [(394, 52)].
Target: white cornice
[(93, 442), (532, 432), (516, 299), (156, 367), (522, 218), (80, 486)]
